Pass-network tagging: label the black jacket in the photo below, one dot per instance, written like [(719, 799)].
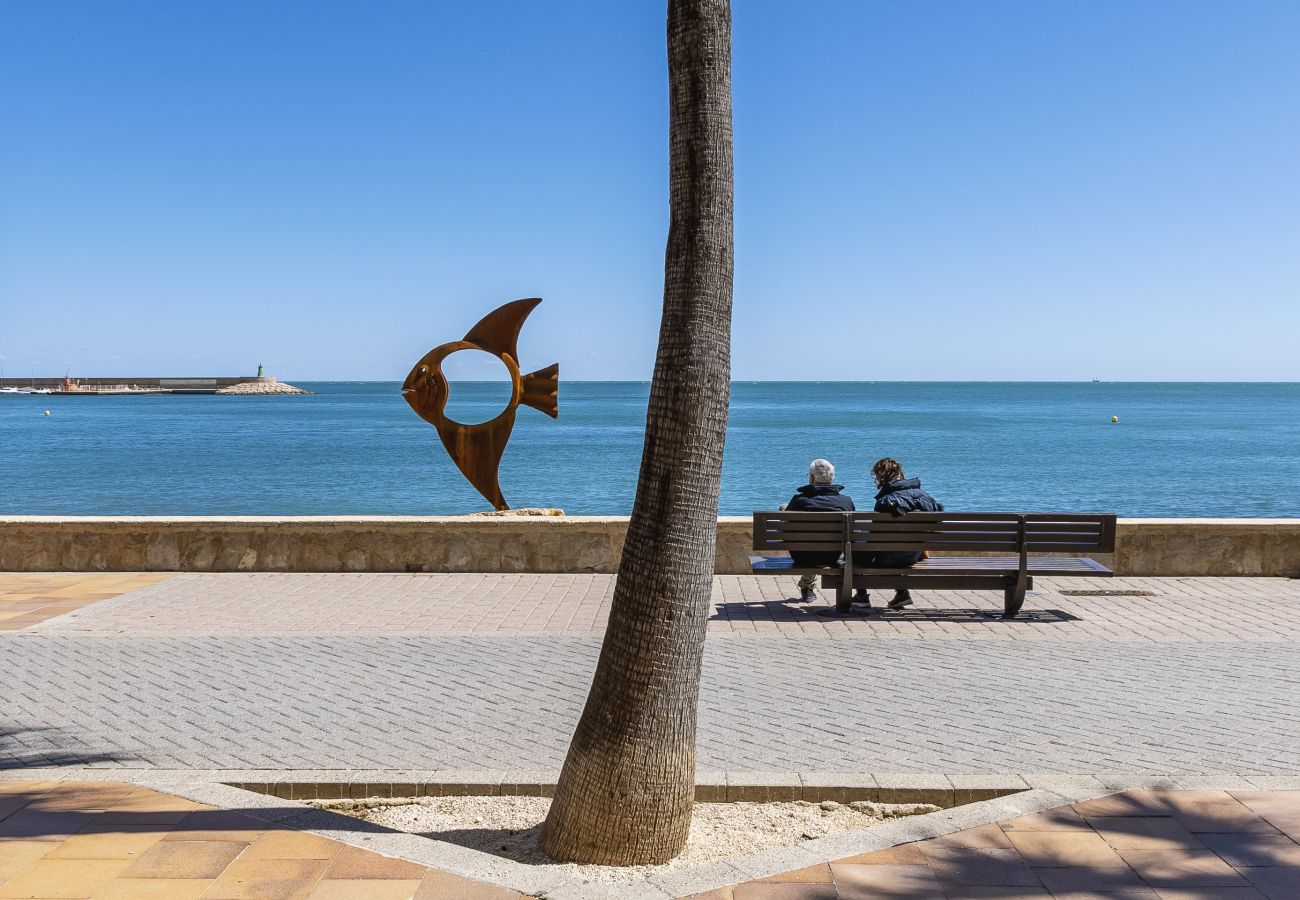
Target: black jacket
[(819, 498), (905, 495)]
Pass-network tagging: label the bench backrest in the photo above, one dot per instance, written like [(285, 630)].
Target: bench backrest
[(936, 532)]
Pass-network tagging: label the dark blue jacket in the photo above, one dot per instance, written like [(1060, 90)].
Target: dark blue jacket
[(819, 498), (896, 498), (905, 495)]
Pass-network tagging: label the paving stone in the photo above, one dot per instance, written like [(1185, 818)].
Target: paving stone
[(352, 862), (752, 891), (1144, 833), (127, 842), (286, 844), (1060, 818), (973, 867), (1213, 812), (1246, 850), (35, 824), (1181, 869), (902, 855), (335, 889), (1102, 881), (818, 874), (153, 889), (915, 882), (1124, 803), (1218, 893), (997, 892), (1276, 883), (62, 878), (216, 825), (1055, 849), (15, 856), (267, 879), (983, 837), (184, 859)]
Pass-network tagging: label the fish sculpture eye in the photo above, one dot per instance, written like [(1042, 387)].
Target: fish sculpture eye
[(477, 449)]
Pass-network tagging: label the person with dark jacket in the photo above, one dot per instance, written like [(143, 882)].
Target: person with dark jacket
[(898, 494), (818, 495)]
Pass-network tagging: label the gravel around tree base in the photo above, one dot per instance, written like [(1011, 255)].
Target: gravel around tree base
[(508, 827)]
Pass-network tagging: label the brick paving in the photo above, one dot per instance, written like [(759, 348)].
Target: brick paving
[(1177, 609), (767, 704), (1179, 845), (434, 672), (114, 841)]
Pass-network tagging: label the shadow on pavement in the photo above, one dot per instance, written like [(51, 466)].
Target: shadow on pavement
[(792, 610), (45, 746)]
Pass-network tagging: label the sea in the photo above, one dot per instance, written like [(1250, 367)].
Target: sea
[(356, 448)]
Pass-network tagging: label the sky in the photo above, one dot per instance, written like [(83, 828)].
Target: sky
[(925, 190)]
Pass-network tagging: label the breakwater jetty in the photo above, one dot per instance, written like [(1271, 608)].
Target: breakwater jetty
[(114, 385)]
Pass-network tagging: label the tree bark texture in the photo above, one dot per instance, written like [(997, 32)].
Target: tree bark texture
[(628, 784)]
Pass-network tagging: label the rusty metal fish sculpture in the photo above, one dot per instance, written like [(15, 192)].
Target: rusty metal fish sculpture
[(477, 449)]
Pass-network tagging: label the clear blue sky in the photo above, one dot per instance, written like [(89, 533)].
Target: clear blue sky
[(924, 190)]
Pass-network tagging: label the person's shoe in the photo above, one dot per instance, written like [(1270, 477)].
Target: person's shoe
[(862, 598), (808, 595), (901, 599)]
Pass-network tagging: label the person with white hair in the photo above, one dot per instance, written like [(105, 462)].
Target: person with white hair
[(819, 494)]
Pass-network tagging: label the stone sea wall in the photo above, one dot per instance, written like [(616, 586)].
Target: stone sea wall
[(529, 544)]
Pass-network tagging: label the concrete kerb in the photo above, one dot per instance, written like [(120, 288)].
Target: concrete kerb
[(1034, 794), (716, 787)]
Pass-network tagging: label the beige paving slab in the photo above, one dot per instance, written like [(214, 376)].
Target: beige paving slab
[(267, 879), (27, 600), (140, 843), (153, 889), (62, 878)]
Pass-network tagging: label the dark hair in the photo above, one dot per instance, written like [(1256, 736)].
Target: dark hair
[(887, 470)]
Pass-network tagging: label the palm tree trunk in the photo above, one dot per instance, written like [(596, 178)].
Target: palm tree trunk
[(628, 783)]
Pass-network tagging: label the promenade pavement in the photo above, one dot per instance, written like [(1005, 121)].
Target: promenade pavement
[(488, 672), (1195, 678), (115, 841)]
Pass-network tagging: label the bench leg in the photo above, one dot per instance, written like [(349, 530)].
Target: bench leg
[(843, 598), (1013, 598), (843, 603)]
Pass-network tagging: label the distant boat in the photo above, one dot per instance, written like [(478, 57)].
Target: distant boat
[(1096, 381)]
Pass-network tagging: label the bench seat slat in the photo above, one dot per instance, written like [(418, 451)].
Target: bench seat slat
[(943, 546), (906, 524), (798, 545), (946, 565), (835, 526)]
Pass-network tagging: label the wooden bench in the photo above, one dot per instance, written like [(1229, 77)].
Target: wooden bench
[(1011, 535)]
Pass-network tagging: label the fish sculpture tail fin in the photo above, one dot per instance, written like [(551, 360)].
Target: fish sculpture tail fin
[(541, 390)]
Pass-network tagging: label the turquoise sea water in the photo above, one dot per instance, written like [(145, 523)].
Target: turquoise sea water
[(356, 448)]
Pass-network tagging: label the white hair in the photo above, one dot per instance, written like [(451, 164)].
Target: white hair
[(821, 471)]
